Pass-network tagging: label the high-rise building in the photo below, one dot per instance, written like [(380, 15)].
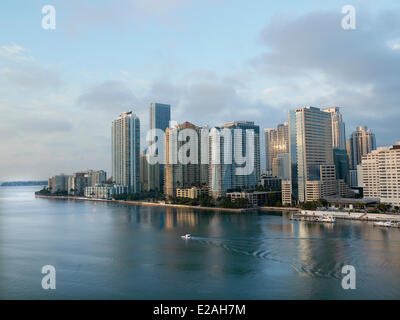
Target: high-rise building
[(184, 175), (314, 147), (149, 175), (348, 150), (223, 176), (362, 141), (341, 160), (125, 135), (160, 117), (268, 155), (292, 129), (276, 142), (338, 128), (283, 164), (381, 174)]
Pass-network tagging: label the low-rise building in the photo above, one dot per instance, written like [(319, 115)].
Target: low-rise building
[(191, 193), (256, 198), (105, 191)]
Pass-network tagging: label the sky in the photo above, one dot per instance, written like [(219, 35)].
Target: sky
[(213, 61)]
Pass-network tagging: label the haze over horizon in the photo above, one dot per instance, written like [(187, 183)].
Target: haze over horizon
[(213, 61)]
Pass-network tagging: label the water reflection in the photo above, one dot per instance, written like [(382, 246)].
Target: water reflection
[(104, 250)]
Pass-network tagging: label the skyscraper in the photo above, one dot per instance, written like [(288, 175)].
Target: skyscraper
[(125, 135), (149, 175), (183, 175), (341, 160), (276, 142), (223, 176), (160, 116), (314, 150), (362, 141), (338, 128)]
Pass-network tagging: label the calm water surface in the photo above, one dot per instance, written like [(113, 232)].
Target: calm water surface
[(112, 251)]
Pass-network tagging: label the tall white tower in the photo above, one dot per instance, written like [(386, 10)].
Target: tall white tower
[(125, 135)]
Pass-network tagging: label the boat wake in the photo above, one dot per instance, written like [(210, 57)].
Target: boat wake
[(256, 249)]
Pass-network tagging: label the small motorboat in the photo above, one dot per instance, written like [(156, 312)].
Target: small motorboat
[(186, 236)]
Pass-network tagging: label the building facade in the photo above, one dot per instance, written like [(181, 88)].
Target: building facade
[(224, 176), (105, 192), (191, 193), (381, 174), (160, 117), (362, 141), (149, 175), (338, 128), (314, 148), (58, 183), (276, 143), (184, 175), (125, 135), (341, 161)]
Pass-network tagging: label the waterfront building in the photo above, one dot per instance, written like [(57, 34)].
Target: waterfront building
[(160, 117), (381, 174), (314, 152), (58, 183), (125, 135), (287, 196), (105, 191), (78, 181), (338, 128), (223, 176), (255, 198), (362, 141), (184, 175), (276, 143), (192, 193)]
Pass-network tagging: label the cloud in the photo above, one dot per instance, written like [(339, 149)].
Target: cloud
[(110, 95), (14, 52), (316, 62), (30, 77)]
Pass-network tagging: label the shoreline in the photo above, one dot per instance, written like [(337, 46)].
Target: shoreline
[(372, 217), (150, 204)]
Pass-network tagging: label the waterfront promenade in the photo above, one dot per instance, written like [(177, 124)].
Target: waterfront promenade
[(352, 215), (152, 204)]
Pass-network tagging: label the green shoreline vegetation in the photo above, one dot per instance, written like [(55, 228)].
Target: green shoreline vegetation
[(205, 201)]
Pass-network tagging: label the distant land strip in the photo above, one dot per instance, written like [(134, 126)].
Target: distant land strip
[(23, 183)]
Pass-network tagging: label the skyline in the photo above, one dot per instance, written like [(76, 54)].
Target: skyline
[(62, 88)]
